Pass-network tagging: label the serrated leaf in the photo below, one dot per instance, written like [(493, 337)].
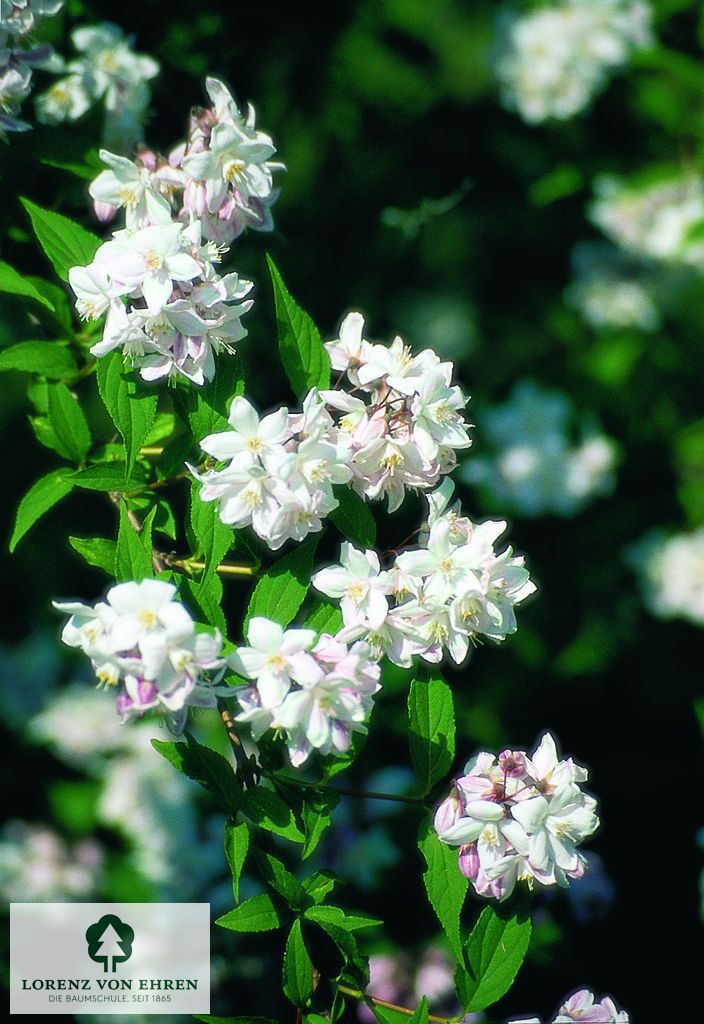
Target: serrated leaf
[(68, 422), (133, 554), (354, 518), (207, 408), (346, 942), (236, 849), (319, 885), (105, 476), (130, 403), (420, 1015), (213, 536), (266, 809), (48, 358), (206, 598), (276, 874), (41, 496), (46, 436), (12, 282), (324, 616), (303, 355), (318, 806), (495, 950), (445, 884), (280, 592), (341, 918), (258, 914), (205, 766), (97, 551), (298, 968), (386, 1016), (65, 242), (431, 729)]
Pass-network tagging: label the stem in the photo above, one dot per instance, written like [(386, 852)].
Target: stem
[(357, 994), (228, 722), (361, 794), (157, 485), (225, 568), (151, 450)]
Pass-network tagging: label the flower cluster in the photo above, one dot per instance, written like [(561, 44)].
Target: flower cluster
[(278, 471), (517, 818), (583, 1006), (107, 71), (17, 19), (144, 643), (447, 593), (537, 469), (37, 864), (555, 59), (402, 418), (610, 291), (656, 218), (317, 691), (671, 571), (167, 308)]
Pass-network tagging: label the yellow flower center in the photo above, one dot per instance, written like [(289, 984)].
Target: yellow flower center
[(232, 169)]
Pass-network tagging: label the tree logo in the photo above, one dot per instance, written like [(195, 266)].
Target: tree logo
[(110, 941)]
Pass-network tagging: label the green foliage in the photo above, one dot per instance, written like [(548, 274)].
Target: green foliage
[(66, 243), (236, 849), (324, 616), (69, 423), (431, 729), (317, 809), (280, 592), (48, 358), (205, 766), (207, 407), (14, 283), (300, 346), (354, 519), (258, 914), (445, 885), (130, 403), (276, 874), (97, 551), (494, 952), (214, 538), (298, 968), (42, 496), (133, 554), (341, 918), (266, 809), (105, 476)]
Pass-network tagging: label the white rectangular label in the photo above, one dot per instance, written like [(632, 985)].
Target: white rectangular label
[(110, 958)]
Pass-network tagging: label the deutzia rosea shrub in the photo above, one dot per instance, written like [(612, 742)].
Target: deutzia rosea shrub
[(296, 681)]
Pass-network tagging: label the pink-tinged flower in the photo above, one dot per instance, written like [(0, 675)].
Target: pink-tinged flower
[(359, 584), (151, 260), (584, 1007)]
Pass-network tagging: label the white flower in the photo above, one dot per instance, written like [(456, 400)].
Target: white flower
[(350, 350), (93, 290), (126, 185), (271, 658), (359, 584), (250, 438), (151, 260)]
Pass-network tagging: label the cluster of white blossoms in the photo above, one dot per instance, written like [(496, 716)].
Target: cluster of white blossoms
[(316, 690), (278, 471), (107, 71), (37, 864), (144, 643), (655, 216), (536, 468), (18, 18), (168, 309), (611, 292), (449, 592), (555, 59), (584, 1007), (518, 818), (671, 571), (401, 421)]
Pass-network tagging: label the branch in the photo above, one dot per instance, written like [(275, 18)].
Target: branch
[(361, 794), (364, 997)]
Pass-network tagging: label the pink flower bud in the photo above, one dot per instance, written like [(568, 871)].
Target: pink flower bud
[(448, 813), (104, 211)]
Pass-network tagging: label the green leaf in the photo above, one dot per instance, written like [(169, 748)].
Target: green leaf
[(276, 874), (354, 518), (213, 536), (346, 942), (301, 348), (65, 242), (431, 729), (324, 616), (206, 408), (341, 918), (133, 557), (105, 476), (14, 283), (130, 403), (68, 422), (421, 1013), (386, 1016), (205, 766), (48, 358), (206, 598), (236, 849), (97, 551), (41, 496), (445, 884), (495, 950), (266, 809), (280, 592), (258, 914), (318, 806), (319, 885), (298, 968)]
